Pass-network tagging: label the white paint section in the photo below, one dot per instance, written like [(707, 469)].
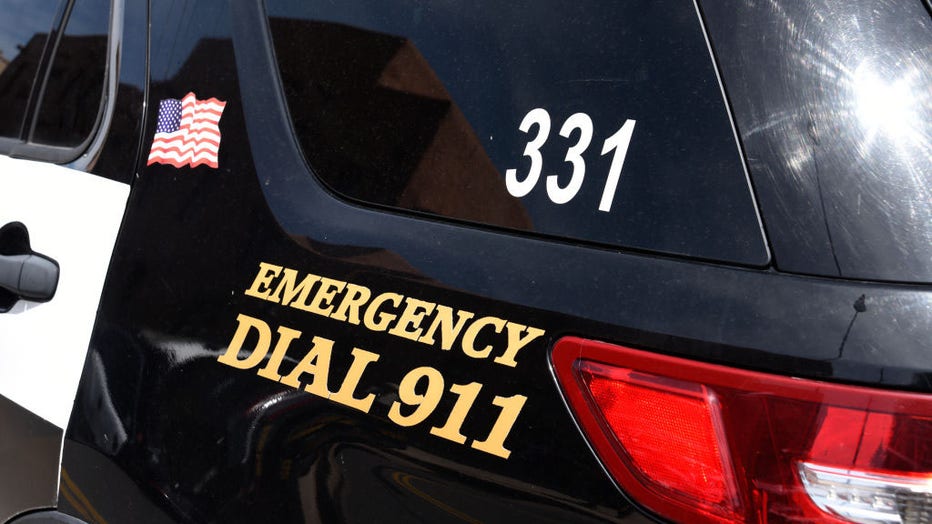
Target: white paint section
[(72, 217)]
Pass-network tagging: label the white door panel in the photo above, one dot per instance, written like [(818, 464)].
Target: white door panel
[(72, 217)]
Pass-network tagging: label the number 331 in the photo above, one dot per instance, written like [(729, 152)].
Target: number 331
[(560, 195)]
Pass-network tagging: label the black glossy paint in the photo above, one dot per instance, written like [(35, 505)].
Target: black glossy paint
[(28, 460), (835, 112), (163, 432)]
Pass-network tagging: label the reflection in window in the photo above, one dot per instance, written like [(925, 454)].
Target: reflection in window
[(419, 106), (25, 26), (386, 130), (72, 96)]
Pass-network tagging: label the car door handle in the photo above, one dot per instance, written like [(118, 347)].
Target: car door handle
[(30, 277), (24, 274)]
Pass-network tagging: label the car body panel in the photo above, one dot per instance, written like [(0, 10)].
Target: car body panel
[(836, 130), (185, 411)]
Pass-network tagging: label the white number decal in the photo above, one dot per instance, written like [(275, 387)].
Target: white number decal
[(541, 118), (562, 195), (618, 142)]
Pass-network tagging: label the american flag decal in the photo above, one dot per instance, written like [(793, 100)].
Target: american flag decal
[(187, 133)]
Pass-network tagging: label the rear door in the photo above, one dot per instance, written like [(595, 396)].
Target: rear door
[(54, 60)]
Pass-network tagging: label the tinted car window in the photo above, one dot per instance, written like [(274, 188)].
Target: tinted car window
[(604, 124), (25, 26), (73, 93)]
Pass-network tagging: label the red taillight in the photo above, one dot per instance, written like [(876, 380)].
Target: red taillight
[(697, 442), (668, 432)]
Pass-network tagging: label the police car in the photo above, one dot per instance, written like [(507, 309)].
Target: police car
[(431, 261)]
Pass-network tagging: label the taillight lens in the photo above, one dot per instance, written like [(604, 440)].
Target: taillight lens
[(697, 442)]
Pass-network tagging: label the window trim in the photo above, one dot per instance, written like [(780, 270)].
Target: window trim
[(84, 154)]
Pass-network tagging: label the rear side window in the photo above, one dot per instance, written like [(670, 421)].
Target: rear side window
[(53, 58), (25, 26), (593, 121), (72, 96)]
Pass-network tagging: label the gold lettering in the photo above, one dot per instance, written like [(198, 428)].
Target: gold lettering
[(495, 443), (516, 342), (411, 317), (384, 318), (316, 363), (424, 403), (321, 305), (267, 273), (285, 337), (465, 397), (446, 325), (361, 359), (355, 297), (443, 319), (258, 353), (469, 337), (287, 291)]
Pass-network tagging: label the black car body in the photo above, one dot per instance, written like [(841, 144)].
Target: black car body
[(394, 295)]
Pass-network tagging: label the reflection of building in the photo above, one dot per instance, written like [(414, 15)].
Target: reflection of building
[(377, 124), (16, 84), (72, 95)]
